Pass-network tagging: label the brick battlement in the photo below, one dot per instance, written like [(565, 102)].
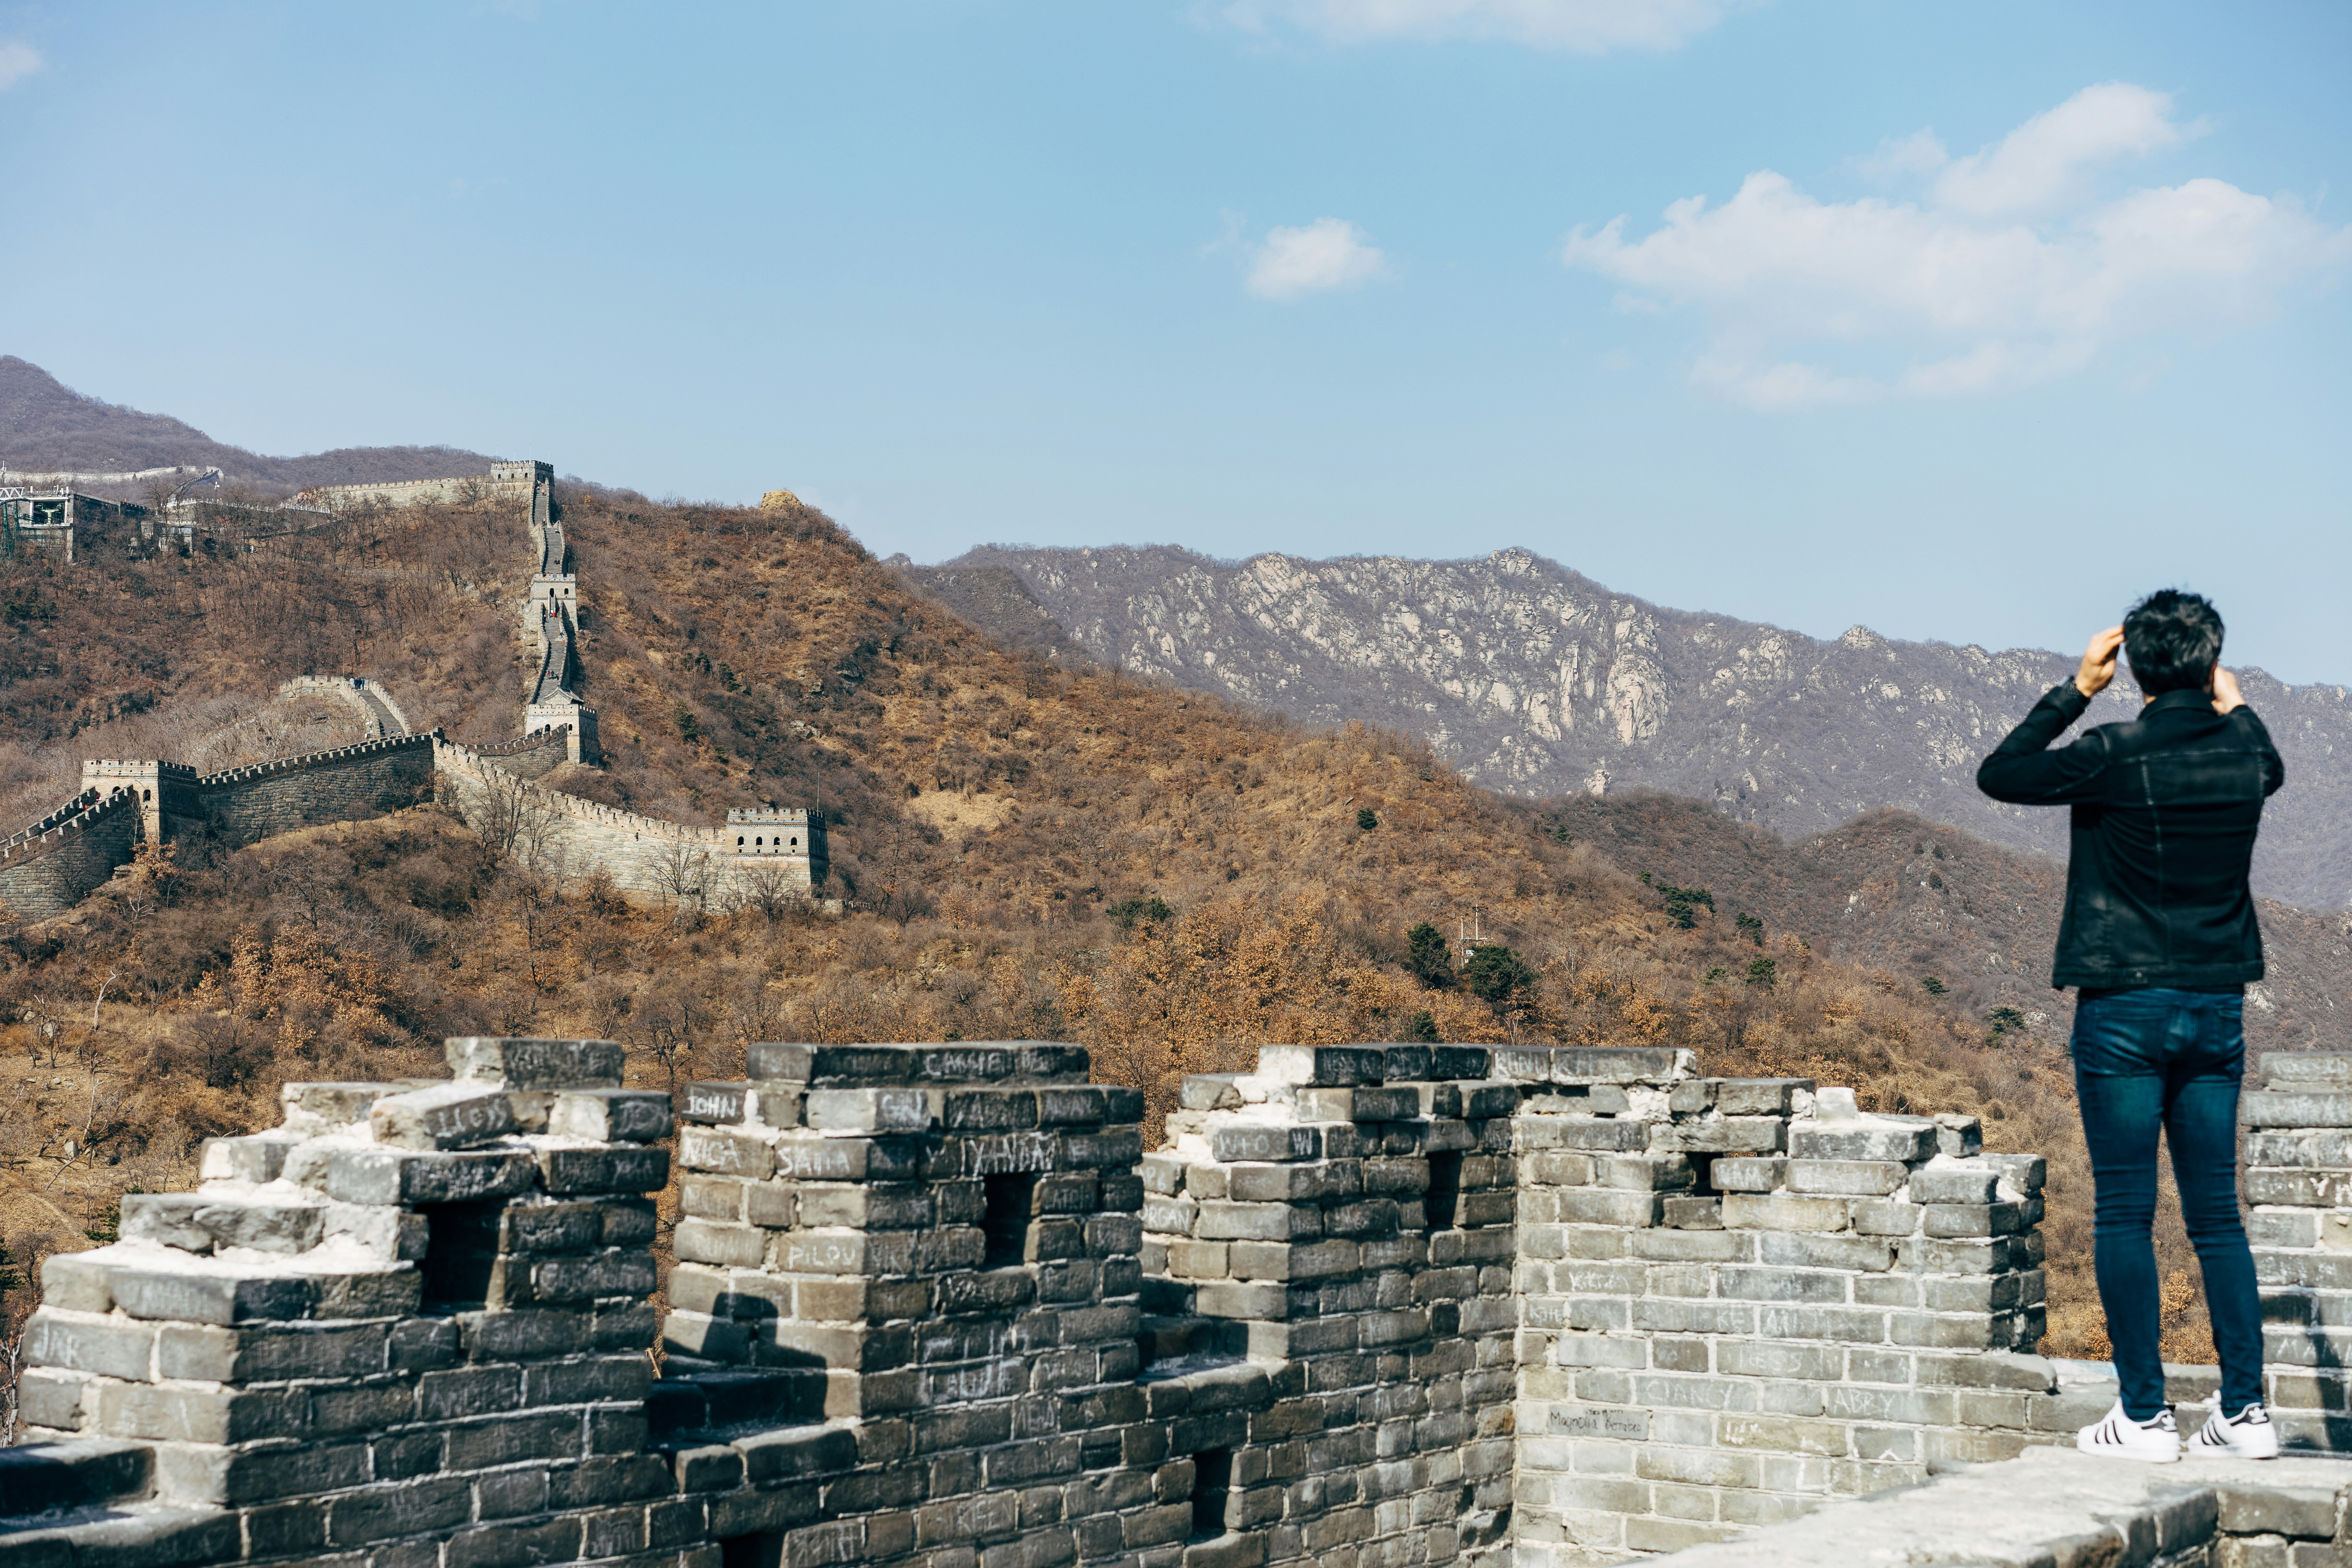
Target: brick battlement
[(127, 768), (536, 741), (311, 760), (77, 815), (933, 1307)]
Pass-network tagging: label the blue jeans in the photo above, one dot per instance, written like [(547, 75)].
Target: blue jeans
[(2150, 1059)]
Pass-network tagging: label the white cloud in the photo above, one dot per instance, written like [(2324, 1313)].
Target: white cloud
[(1965, 293), (2046, 161), (1921, 153), (1591, 26), (1329, 253), (17, 61)]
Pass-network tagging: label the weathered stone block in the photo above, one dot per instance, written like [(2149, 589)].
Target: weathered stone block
[(2298, 1107), (1783, 1211), (613, 1170), (1742, 1173), (1878, 1138), (726, 1246), (2280, 1068), (908, 1109), (1604, 1207), (322, 1107), (257, 1158), (1726, 1134), (1956, 1220), (404, 1176), (537, 1064), (1324, 1066), (1229, 1221), (611, 1115), (615, 1271), (730, 1154), (1237, 1141), (1851, 1178), (778, 1061), (1331, 1181), (80, 1341), (717, 1104), (445, 1116), (1601, 1133)]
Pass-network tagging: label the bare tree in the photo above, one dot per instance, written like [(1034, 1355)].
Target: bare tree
[(682, 875), (513, 818), (768, 889), (20, 1298)]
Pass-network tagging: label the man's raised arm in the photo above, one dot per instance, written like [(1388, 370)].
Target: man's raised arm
[(2024, 770)]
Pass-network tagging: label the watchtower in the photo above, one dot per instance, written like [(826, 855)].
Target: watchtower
[(523, 471), (162, 788)]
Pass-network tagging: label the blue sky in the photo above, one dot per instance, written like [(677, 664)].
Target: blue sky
[(1971, 323)]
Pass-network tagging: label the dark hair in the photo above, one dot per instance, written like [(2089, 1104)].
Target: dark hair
[(2174, 639)]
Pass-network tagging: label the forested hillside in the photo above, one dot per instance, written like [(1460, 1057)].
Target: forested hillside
[(1536, 680), (1027, 850)]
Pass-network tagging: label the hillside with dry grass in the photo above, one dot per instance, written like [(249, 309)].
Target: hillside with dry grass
[(1027, 851)]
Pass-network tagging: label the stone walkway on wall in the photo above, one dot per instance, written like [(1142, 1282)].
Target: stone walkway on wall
[(2055, 1507)]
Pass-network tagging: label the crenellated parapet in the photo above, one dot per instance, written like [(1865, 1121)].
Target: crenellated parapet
[(413, 1313), (647, 855), (933, 1305), (55, 863)]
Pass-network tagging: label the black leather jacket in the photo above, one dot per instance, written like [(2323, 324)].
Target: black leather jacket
[(2166, 809)]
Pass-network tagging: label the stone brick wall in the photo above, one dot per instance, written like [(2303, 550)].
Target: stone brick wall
[(1346, 1213), (937, 1246), (1741, 1297), (1379, 1307), (370, 700), (341, 785), (408, 1327), (460, 490), (643, 854), (539, 753), (2297, 1164), (53, 865)]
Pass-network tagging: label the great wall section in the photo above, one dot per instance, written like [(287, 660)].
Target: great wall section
[(936, 1306), (53, 864), (933, 1307)]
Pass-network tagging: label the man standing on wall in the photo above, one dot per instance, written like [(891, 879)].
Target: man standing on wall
[(2159, 934)]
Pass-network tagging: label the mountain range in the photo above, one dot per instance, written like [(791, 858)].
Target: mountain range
[(1535, 680), (46, 427)]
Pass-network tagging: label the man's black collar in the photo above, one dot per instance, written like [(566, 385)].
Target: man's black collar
[(2181, 699)]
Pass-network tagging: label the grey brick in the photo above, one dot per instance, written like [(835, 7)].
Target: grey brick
[(445, 1116), (1878, 1138), (1749, 1173), (408, 1176), (613, 1170), (536, 1063), (383, 1512), (77, 1342), (1850, 1178), (1235, 1140)]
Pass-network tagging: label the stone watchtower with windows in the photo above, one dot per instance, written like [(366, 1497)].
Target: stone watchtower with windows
[(772, 836), (162, 788)]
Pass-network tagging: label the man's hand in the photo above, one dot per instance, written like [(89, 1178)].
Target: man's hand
[(2099, 663), (2226, 695)]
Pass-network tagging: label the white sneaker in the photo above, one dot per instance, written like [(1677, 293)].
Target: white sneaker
[(2248, 1434), (2155, 1441)]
